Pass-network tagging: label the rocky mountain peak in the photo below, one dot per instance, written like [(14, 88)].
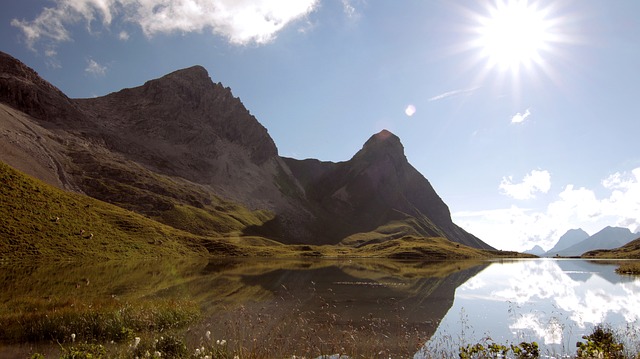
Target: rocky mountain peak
[(192, 79), (381, 145), (185, 108), (22, 88)]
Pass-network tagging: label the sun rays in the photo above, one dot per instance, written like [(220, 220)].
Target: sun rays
[(513, 35), (510, 40)]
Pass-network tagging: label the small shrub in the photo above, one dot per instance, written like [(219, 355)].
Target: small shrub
[(84, 351), (171, 347), (167, 346), (523, 350), (526, 350), (601, 343)]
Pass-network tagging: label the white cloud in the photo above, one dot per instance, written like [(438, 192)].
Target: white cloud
[(95, 68), (452, 93), (123, 35), (49, 24), (519, 228), (348, 8), (410, 110), (240, 22), (536, 181), (520, 117)]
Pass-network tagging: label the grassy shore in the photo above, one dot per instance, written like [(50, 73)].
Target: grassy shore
[(629, 268), (351, 342)]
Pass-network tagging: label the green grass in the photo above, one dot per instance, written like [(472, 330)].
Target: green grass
[(630, 250), (349, 342), (629, 268), (412, 247), (221, 220), (105, 321), (44, 221)]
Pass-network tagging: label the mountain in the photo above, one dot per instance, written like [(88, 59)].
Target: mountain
[(607, 238), (536, 251), (183, 151), (631, 250), (376, 187), (570, 238)]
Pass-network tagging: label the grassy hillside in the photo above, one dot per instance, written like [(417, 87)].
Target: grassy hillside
[(630, 250), (38, 219), (411, 247)]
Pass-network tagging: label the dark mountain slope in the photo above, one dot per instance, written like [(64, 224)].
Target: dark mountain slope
[(376, 187), (22, 88), (183, 150)]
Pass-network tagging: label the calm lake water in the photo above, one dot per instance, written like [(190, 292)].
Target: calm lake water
[(376, 307)]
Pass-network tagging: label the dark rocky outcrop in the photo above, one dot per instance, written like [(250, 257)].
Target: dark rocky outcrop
[(22, 88), (375, 187)]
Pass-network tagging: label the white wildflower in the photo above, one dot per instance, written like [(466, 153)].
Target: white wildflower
[(157, 354), (197, 351), (136, 342), (208, 335), (73, 337)]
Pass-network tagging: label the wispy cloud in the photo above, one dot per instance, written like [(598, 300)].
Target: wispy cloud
[(240, 22), (536, 181), (95, 68), (574, 207), (123, 35), (452, 93), (348, 8), (520, 117)]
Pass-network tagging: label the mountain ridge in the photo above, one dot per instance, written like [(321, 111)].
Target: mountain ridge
[(568, 239), (607, 238), (184, 146)]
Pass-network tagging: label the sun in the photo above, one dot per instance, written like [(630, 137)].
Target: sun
[(514, 34)]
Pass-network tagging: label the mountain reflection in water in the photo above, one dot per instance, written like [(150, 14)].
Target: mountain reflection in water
[(552, 302), (372, 307), (375, 308)]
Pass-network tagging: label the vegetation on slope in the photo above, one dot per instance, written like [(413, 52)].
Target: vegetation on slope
[(630, 250), (41, 220), (46, 222), (170, 200)]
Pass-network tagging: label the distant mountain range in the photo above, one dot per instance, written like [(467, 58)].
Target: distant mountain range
[(571, 238), (536, 251), (183, 151), (577, 242)]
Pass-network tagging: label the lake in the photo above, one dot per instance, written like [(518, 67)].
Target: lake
[(377, 308)]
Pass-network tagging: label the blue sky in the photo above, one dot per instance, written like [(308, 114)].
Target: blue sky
[(522, 115)]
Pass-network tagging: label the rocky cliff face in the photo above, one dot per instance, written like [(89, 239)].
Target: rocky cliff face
[(183, 140), (375, 187), (185, 125), (23, 89)]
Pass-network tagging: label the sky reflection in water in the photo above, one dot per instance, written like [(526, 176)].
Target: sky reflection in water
[(553, 302)]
